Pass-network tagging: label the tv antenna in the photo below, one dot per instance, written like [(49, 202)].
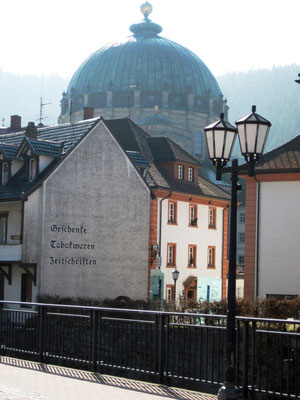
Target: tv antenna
[(42, 105)]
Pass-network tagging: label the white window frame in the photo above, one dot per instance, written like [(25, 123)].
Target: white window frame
[(171, 213), (242, 217), (190, 174), (180, 171), (171, 254), (4, 174), (242, 237), (169, 294), (32, 169), (3, 228), (192, 214), (192, 255), (211, 256), (241, 258), (212, 218)]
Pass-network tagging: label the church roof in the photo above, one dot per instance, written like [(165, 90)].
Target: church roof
[(146, 61)]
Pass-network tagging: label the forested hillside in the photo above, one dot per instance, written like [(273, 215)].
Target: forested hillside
[(274, 92), (20, 94)]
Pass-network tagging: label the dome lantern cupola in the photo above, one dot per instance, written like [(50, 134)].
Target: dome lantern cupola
[(147, 27)]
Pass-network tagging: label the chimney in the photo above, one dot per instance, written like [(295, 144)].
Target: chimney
[(31, 131), (15, 122), (88, 112)]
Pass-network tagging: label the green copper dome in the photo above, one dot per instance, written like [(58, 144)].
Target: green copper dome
[(145, 61)]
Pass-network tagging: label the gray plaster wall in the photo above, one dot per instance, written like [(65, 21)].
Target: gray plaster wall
[(32, 231), (14, 210), (96, 201)]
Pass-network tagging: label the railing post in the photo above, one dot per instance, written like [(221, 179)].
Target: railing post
[(160, 348), (245, 357), (1, 328), (41, 333), (93, 340)]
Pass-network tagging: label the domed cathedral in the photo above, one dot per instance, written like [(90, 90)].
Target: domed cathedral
[(162, 86)]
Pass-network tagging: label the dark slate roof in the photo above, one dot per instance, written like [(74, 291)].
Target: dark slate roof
[(18, 186), (130, 136), (164, 149), (68, 134), (45, 147), (284, 157), (9, 150), (133, 140), (137, 158), (50, 141)]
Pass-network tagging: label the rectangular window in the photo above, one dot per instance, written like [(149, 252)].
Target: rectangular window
[(26, 288), (3, 228), (242, 237), (211, 257), (241, 261), (212, 217), (171, 255), (190, 174), (172, 212), (4, 173), (180, 172), (192, 256), (193, 215), (169, 293), (198, 143), (242, 218), (32, 169)]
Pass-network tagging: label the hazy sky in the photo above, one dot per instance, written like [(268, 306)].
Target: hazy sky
[(54, 37)]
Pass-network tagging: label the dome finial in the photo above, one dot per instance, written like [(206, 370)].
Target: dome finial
[(146, 9)]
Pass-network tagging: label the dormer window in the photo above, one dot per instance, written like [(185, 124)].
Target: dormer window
[(180, 172), (32, 169), (190, 174), (4, 173)]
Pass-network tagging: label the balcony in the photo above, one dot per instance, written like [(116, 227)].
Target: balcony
[(10, 252)]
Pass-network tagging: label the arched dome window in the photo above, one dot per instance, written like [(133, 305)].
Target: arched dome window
[(177, 100)]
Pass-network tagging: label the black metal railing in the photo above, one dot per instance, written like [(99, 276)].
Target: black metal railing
[(181, 349)]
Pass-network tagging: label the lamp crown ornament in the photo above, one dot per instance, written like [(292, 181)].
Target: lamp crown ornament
[(146, 9)]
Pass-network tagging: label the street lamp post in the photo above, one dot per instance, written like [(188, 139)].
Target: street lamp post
[(220, 136), (175, 275)]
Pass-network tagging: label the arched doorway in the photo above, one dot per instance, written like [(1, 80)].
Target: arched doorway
[(190, 288)]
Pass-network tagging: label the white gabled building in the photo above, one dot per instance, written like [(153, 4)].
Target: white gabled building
[(80, 215), (272, 224)]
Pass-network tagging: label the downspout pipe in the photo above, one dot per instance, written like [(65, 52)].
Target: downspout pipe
[(160, 221), (159, 243)]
